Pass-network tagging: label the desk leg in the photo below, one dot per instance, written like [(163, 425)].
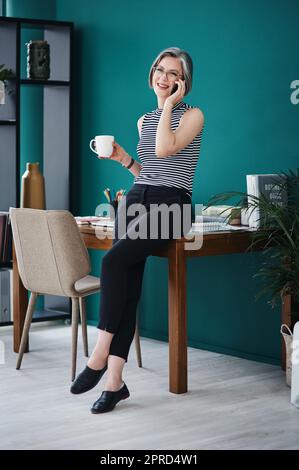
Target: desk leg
[(177, 318), (20, 303)]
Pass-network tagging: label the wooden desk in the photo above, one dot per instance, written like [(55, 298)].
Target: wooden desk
[(217, 243)]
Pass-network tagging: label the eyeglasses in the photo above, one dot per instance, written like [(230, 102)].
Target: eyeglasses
[(170, 74)]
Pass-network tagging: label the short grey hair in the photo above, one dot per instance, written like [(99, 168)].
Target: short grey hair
[(186, 62)]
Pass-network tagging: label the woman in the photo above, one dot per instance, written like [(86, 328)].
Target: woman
[(168, 150)]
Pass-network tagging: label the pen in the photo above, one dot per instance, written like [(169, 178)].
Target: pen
[(106, 192), (120, 194)]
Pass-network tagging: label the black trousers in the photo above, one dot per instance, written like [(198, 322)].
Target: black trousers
[(123, 265)]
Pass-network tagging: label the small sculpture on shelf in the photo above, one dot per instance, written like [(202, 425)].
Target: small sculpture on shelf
[(5, 74), (38, 60)]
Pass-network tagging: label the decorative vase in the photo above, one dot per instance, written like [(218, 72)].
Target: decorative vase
[(2, 92), (288, 339), (289, 316), (38, 60), (235, 216), (295, 368), (33, 188)]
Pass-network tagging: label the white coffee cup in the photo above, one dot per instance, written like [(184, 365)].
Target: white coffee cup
[(103, 145)]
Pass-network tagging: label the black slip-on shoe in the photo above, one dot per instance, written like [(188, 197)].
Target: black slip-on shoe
[(87, 379), (109, 399)]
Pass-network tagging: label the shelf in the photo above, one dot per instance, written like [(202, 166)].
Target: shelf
[(7, 122), (41, 109), (35, 22), (6, 265), (44, 315), (28, 81)]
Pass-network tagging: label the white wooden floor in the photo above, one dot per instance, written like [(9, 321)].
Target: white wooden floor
[(232, 403)]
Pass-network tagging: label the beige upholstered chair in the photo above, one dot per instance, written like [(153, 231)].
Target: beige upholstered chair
[(52, 259)]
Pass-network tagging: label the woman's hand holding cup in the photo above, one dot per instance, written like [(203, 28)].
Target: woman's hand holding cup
[(118, 153), (111, 149)]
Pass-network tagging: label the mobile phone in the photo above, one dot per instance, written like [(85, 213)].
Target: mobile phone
[(175, 87)]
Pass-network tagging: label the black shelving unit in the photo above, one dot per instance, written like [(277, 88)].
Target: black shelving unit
[(27, 81), (57, 125)]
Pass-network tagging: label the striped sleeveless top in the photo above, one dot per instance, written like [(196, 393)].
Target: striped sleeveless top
[(175, 170)]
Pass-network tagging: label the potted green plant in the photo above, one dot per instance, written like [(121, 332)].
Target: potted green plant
[(279, 233), (5, 75)]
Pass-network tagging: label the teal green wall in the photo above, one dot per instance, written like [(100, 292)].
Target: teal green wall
[(245, 57), (34, 9)]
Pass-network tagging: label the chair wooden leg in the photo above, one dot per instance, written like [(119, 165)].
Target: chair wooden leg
[(83, 324), (75, 322), (137, 342), (27, 323)]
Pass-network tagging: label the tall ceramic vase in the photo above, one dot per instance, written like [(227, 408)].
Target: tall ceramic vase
[(33, 188)]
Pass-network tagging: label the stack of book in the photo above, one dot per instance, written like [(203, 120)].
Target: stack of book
[(214, 226), (5, 239), (87, 220), (95, 221), (222, 213), (6, 295), (5, 274)]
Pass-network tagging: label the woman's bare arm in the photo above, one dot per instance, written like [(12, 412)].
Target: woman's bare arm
[(170, 142), (136, 167)]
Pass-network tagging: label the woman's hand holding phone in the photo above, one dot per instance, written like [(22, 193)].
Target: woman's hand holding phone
[(178, 94)]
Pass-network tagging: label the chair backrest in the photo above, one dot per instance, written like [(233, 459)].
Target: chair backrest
[(50, 252)]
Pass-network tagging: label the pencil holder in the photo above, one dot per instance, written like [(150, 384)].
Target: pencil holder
[(113, 209)]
